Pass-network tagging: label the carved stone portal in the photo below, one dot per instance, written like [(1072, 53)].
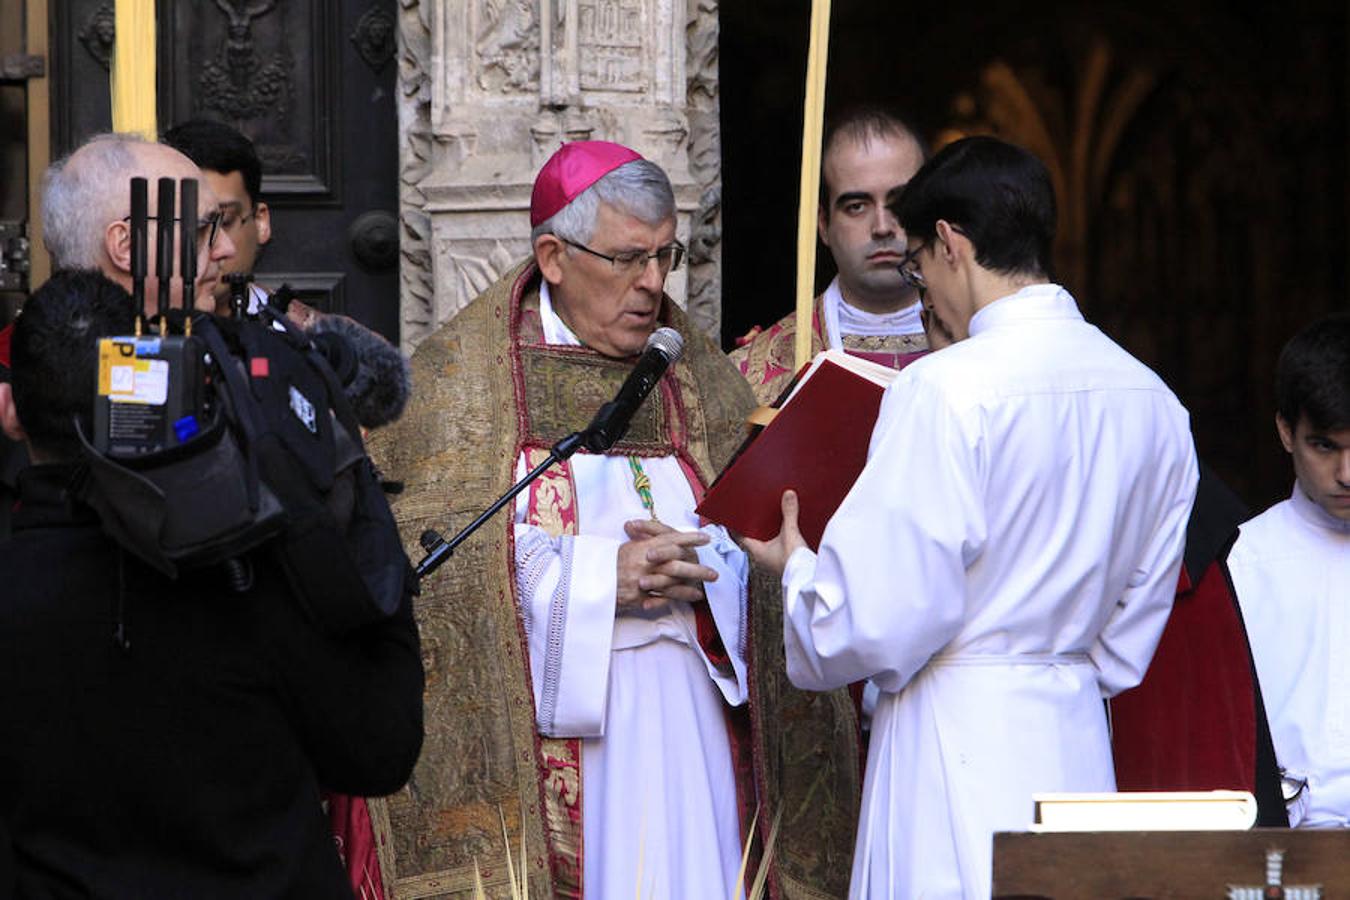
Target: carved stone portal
[(490, 88)]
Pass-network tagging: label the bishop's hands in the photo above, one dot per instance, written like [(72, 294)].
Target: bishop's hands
[(658, 564), (773, 554)]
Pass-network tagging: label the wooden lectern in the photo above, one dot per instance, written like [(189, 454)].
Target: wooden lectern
[(1131, 865)]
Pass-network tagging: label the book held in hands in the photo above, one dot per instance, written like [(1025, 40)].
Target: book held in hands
[(815, 443)]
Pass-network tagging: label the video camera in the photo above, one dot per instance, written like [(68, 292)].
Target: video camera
[(214, 438)]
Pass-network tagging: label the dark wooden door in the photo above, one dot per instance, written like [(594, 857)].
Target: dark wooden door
[(311, 82)]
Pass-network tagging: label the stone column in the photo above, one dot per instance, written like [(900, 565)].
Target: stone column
[(488, 90)]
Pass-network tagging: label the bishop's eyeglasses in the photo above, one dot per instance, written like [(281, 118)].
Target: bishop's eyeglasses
[(631, 263)]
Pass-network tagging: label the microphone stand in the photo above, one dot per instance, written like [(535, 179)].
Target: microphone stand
[(438, 549), (609, 425)]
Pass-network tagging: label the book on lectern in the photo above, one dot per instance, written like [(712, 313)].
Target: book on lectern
[(815, 443), (1145, 811)]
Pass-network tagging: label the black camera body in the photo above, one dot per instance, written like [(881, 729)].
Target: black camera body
[(244, 442), (218, 438)]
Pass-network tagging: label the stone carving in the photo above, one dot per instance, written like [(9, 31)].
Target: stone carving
[(473, 274), (613, 53), (508, 46), (705, 167), (490, 88), (374, 38), (99, 34), (417, 280), (237, 82)]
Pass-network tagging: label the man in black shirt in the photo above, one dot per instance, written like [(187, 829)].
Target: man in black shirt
[(167, 738)]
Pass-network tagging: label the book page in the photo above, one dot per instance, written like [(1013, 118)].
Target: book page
[(863, 368)]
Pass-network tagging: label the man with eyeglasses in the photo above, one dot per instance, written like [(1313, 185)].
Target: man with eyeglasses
[(86, 221), (588, 661), (1009, 553), (868, 309), (231, 166), (85, 206)]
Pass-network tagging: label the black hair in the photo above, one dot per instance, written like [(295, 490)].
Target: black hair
[(1312, 378), (216, 146), (862, 122), (54, 357), (995, 193)]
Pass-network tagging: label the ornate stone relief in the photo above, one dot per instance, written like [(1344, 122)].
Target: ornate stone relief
[(508, 46), (490, 88)]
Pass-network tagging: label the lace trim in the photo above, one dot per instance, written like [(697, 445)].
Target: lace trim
[(535, 550), (557, 629)]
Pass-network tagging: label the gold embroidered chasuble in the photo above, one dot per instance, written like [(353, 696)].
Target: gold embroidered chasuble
[(767, 358), (486, 390)]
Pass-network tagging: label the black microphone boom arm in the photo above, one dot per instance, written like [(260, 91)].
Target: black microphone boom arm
[(438, 549), (607, 428)]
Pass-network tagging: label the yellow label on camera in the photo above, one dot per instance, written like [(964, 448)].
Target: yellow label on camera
[(126, 374)]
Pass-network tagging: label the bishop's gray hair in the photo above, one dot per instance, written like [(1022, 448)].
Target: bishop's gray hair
[(79, 201), (639, 188)]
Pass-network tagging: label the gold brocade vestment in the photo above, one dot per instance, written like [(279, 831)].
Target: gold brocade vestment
[(486, 390)]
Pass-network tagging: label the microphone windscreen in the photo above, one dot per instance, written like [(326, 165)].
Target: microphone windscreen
[(379, 389), (668, 342)]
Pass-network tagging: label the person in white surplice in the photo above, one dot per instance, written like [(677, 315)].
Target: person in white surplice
[(1007, 557), (1291, 573)]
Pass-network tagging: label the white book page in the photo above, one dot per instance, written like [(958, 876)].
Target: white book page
[(863, 368)]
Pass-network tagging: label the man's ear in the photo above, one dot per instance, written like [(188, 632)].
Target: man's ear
[(823, 222), (1286, 433), (263, 215), (952, 245), (548, 254), (9, 414), (117, 244)]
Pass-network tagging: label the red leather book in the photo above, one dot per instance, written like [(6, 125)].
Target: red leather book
[(816, 444)]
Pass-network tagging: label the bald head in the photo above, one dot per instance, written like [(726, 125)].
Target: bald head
[(85, 201)]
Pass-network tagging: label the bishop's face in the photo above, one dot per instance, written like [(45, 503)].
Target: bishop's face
[(611, 310), (1321, 463)]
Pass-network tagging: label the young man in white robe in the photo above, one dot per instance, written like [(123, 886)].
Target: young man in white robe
[(1007, 557), (1291, 572)]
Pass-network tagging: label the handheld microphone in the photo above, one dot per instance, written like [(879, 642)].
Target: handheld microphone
[(611, 421)]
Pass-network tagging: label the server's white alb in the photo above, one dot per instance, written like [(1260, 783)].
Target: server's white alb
[(1291, 572), (1006, 559)]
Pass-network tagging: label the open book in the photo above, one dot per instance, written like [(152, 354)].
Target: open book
[(815, 443), (1145, 811)]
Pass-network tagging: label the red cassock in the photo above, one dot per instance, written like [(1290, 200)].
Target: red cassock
[(1197, 721)]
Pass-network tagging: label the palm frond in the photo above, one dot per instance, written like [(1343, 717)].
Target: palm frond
[(745, 857), (479, 893), (762, 877)]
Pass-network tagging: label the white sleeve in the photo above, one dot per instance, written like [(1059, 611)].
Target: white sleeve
[(566, 588), (727, 603), (1126, 644), (915, 508)]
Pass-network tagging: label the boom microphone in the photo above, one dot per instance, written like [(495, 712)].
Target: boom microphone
[(611, 422), (375, 376)]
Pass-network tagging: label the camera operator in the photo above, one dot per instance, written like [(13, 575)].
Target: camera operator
[(162, 737)]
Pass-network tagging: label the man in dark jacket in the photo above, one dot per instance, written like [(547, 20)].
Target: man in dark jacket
[(167, 738)]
